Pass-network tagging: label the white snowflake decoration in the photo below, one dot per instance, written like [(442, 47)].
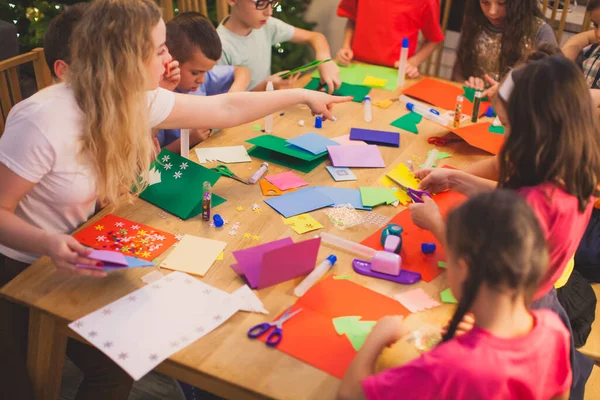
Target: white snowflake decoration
[(101, 238), (136, 227), (168, 166), (255, 206), (177, 175), (178, 237), (166, 158), (183, 165), (232, 232), (119, 224)]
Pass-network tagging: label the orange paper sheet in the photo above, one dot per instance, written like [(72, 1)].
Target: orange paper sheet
[(442, 94), (412, 238), (478, 135), (310, 336)]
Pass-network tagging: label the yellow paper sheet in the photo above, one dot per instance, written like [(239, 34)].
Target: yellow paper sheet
[(372, 81), (401, 174), (220, 257), (194, 255), (302, 223)]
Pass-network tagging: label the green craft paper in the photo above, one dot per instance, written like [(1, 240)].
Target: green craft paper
[(344, 325), (442, 154), (355, 330), (358, 92), (355, 74), (496, 129), (285, 161), (442, 264), (341, 277), (448, 297), (181, 196), (256, 128), (280, 145), (375, 196), (469, 94), (408, 122)]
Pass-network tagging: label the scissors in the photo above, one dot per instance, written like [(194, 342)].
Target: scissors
[(414, 194), (224, 171), (441, 141), (274, 337)]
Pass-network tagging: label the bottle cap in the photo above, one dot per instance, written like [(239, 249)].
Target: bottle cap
[(318, 122), (428, 248), (405, 42), (410, 106), (218, 221), (478, 94), (367, 98), (332, 259), (490, 112)]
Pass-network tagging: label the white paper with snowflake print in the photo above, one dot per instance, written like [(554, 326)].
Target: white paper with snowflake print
[(144, 328)]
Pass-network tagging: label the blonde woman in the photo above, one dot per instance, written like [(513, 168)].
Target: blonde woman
[(89, 139)]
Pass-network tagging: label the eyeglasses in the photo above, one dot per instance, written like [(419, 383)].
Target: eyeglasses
[(263, 4)]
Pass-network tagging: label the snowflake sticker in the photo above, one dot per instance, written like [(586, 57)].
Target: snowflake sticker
[(232, 232), (178, 237), (166, 158), (255, 206), (106, 311), (183, 165), (134, 227), (255, 237), (240, 208), (123, 356), (153, 357), (168, 166), (108, 345), (177, 175), (93, 334), (247, 236), (99, 227), (119, 224), (132, 299), (101, 238)]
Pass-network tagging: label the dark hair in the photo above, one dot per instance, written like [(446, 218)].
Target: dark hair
[(542, 50), (592, 5), (57, 39), (499, 238), (191, 30), (519, 23), (553, 130)]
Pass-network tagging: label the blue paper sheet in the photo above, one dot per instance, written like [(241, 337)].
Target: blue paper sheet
[(299, 202), (312, 142), (133, 262), (343, 196), (382, 138)]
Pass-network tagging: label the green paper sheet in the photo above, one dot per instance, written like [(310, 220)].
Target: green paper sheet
[(344, 325), (442, 155), (355, 74), (358, 92), (408, 122), (285, 161), (470, 94), (256, 128), (355, 330), (448, 297), (342, 277), (306, 67), (280, 145), (375, 196), (496, 129), (180, 188), (442, 264)]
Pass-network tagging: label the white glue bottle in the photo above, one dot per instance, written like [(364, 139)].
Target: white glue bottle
[(402, 63), (368, 108), (315, 275)]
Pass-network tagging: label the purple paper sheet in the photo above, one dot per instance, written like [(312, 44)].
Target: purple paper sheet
[(383, 138)]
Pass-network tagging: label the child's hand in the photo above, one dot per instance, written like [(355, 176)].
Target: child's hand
[(198, 135), (493, 89), (388, 331), (465, 325), (426, 215), (475, 83), (66, 252), (330, 75), (321, 103), (344, 56), (411, 71), (172, 76), (281, 83), (434, 180)]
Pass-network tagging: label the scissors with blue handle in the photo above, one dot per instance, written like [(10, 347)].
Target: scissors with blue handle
[(414, 194), (224, 171), (274, 337)]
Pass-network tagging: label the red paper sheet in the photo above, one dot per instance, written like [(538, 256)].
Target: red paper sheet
[(310, 335), (127, 237), (478, 135), (412, 238), (442, 94)]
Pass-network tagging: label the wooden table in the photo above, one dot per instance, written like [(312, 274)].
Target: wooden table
[(225, 362)]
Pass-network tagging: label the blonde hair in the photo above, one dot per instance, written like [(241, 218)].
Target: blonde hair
[(111, 45)]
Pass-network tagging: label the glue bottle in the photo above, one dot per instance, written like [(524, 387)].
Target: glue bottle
[(431, 158), (206, 201), (269, 118), (315, 275), (476, 105), (368, 109), (402, 63), (259, 173), (458, 111)]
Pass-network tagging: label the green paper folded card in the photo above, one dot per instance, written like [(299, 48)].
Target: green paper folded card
[(358, 92), (305, 67), (284, 160), (175, 185)]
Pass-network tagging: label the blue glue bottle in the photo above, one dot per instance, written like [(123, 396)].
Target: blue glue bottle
[(218, 221)]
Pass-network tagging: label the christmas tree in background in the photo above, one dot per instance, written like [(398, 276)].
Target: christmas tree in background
[(33, 16)]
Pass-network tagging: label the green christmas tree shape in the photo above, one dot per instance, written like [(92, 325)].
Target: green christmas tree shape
[(355, 330)]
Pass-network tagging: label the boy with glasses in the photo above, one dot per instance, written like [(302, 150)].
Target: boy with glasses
[(249, 33)]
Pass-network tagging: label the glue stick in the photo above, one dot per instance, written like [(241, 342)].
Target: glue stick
[(315, 275), (431, 157), (458, 111), (368, 109), (185, 143), (402, 63), (269, 118), (476, 105), (206, 201), (259, 173)]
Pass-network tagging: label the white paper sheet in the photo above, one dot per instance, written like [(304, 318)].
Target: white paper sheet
[(231, 154)]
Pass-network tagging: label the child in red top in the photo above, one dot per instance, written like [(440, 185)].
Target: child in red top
[(551, 158), (512, 353), (375, 30)]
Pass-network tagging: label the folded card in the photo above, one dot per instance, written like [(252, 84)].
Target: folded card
[(356, 156)]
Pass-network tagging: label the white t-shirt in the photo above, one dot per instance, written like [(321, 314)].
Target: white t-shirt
[(254, 51), (41, 144)]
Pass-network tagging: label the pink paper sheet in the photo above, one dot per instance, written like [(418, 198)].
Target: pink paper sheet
[(416, 300), (286, 180), (356, 156), (345, 141)]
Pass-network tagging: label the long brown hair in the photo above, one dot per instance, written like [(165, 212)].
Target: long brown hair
[(519, 24), (499, 238), (554, 130), (111, 47)]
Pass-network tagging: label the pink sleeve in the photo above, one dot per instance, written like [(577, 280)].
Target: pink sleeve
[(347, 9), (411, 381), (431, 28)]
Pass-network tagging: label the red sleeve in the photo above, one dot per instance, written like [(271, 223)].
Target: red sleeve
[(347, 9), (431, 28)]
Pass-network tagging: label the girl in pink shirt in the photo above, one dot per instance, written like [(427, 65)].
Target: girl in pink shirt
[(496, 257)]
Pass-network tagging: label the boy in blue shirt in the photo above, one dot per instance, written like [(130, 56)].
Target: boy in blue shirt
[(195, 46)]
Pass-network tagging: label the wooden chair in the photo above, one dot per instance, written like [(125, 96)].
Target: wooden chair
[(10, 90), (587, 22), (194, 5), (559, 27), (435, 58)]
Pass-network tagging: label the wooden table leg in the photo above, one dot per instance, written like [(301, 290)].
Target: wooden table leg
[(45, 355)]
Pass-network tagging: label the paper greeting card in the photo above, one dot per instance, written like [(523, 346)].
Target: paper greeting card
[(180, 188), (299, 202), (356, 156), (194, 255), (279, 261), (344, 196), (479, 135), (382, 138), (228, 155), (286, 180), (130, 238), (277, 150), (303, 223), (113, 260), (340, 174), (312, 142)]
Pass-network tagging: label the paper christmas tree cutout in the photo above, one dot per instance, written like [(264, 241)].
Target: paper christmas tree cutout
[(176, 185), (355, 330), (408, 122)]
